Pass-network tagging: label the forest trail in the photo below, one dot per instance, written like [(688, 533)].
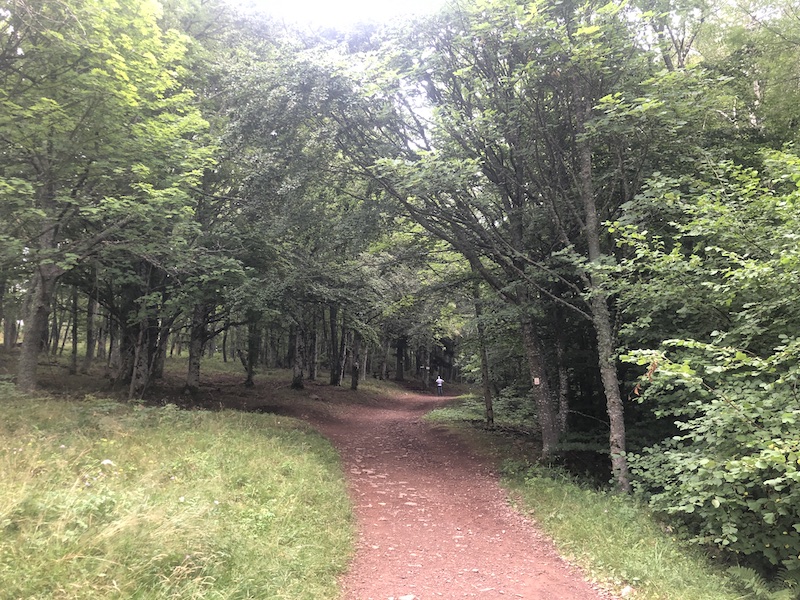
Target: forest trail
[(433, 521)]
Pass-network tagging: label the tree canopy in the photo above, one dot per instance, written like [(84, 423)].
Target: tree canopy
[(590, 208)]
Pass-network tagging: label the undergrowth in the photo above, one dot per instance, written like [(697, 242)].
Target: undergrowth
[(107, 500)]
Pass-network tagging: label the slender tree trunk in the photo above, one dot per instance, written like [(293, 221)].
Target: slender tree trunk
[(364, 360), (291, 347), (601, 315), (563, 375), (334, 357), (401, 351), (3, 315), (298, 366), (102, 335), (298, 357), (73, 364), (425, 366), (52, 340), (387, 347), (343, 347), (91, 339), (313, 357), (486, 383), (542, 394), (253, 344), (356, 361)]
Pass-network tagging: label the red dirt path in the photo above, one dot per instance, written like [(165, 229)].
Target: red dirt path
[(433, 521)]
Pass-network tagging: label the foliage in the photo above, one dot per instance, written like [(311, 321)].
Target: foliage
[(731, 474)]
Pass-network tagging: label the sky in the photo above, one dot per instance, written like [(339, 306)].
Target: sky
[(342, 13)]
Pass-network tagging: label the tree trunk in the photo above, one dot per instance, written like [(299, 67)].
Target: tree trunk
[(601, 316), (343, 347), (542, 394), (253, 344), (401, 351), (385, 362), (356, 361), (333, 353), (486, 384), (198, 335), (291, 347), (36, 323), (142, 359), (52, 340), (73, 363), (3, 314), (102, 336), (313, 352), (563, 376), (91, 339), (298, 366), (425, 367), (365, 353)]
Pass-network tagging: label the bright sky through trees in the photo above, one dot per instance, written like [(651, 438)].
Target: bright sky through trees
[(342, 13)]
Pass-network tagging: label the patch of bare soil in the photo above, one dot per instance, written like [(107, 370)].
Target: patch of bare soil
[(433, 521)]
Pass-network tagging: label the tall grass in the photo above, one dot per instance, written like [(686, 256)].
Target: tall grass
[(106, 500), (613, 538)]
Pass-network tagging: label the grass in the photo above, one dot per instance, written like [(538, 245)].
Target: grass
[(108, 500), (615, 540)]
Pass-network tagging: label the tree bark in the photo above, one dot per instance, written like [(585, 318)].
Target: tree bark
[(253, 344), (598, 299), (333, 351), (343, 347), (73, 363), (484, 355), (313, 352), (401, 351), (356, 361), (143, 357), (198, 335), (542, 394), (3, 315), (298, 366), (385, 362), (563, 376), (91, 338), (36, 323)]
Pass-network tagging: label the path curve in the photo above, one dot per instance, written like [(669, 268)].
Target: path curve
[(433, 521)]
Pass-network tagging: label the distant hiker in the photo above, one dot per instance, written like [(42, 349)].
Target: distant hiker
[(439, 384)]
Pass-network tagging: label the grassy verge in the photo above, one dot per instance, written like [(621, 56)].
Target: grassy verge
[(107, 500), (615, 540)]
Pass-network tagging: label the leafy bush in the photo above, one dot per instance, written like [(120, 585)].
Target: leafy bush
[(731, 476)]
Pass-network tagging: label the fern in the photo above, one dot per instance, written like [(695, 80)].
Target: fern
[(758, 588)]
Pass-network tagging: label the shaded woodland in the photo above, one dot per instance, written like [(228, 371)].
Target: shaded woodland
[(590, 210)]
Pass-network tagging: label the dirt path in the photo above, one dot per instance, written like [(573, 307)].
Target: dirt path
[(433, 521)]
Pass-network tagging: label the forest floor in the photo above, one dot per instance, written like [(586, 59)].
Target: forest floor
[(433, 521)]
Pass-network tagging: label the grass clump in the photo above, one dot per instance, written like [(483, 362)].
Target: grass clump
[(106, 500), (614, 539)]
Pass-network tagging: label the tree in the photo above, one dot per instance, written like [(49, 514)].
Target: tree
[(542, 123), (94, 119)]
